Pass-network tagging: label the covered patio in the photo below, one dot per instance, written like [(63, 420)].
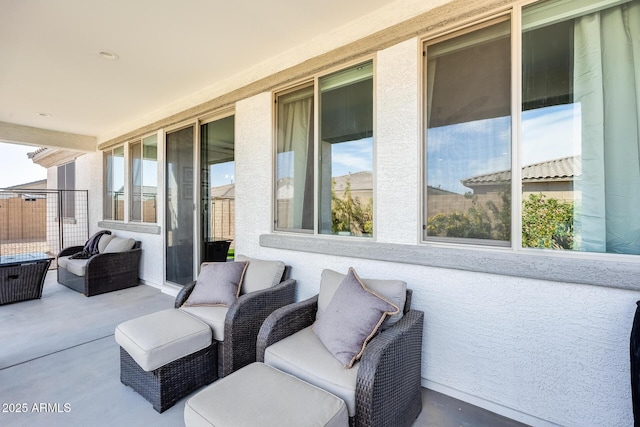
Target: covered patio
[(62, 365), (287, 103)]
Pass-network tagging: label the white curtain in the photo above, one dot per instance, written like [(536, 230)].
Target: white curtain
[(136, 183), (108, 200), (296, 123), (607, 87)]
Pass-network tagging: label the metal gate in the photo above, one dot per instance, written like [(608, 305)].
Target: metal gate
[(42, 220)]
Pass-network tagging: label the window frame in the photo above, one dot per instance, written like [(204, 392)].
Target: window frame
[(105, 171), (509, 14), (314, 81), (129, 187), (514, 12), (126, 223)]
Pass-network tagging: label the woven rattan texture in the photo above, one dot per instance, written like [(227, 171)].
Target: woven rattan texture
[(166, 385), (106, 272), (22, 282), (243, 322), (388, 390)]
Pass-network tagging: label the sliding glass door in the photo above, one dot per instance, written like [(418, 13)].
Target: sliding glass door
[(179, 206), (217, 189)]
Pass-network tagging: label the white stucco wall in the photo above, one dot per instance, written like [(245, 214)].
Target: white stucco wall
[(89, 177), (541, 352)]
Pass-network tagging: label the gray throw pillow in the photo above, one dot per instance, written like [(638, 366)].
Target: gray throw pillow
[(394, 291), (218, 284), (351, 319)]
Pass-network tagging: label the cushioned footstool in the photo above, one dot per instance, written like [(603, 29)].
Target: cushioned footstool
[(259, 394), (166, 355)]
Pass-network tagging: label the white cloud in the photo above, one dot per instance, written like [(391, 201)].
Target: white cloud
[(551, 133), (352, 157)]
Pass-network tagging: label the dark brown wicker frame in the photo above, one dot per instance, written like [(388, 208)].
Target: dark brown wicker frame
[(22, 281), (106, 272), (388, 389), (169, 383), (164, 386), (243, 321)]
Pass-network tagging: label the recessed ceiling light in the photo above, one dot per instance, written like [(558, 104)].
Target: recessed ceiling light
[(109, 55), (44, 114)]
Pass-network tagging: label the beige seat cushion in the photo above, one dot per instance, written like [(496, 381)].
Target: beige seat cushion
[(62, 261), (304, 356), (213, 316), (261, 274), (162, 337), (79, 266), (76, 266), (260, 395)]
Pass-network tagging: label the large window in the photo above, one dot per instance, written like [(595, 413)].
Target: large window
[(578, 142), (144, 179), (468, 135), (336, 196), (114, 184), (133, 178)]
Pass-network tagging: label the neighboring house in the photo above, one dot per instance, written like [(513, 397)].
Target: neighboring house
[(553, 178), (34, 185), (360, 184), (66, 212)]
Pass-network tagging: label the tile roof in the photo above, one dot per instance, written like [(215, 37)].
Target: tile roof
[(563, 169)]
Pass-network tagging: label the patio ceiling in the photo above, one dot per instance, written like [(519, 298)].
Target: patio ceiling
[(53, 78)]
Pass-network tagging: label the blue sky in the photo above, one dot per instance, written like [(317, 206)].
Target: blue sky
[(474, 148), (16, 168), (222, 174), (468, 149), (346, 157)]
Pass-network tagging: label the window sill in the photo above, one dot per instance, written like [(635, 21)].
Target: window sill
[(130, 226), (577, 268)]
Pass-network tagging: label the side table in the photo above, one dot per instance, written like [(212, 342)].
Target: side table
[(22, 276)]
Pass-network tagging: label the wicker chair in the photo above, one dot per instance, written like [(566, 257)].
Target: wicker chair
[(388, 389), (243, 321), (105, 272)]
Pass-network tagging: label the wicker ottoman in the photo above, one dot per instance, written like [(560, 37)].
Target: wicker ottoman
[(259, 394), (166, 355)]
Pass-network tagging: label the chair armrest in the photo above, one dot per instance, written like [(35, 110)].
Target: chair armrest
[(244, 319), (184, 293), (70, 250), (284, 322), (390, 369)]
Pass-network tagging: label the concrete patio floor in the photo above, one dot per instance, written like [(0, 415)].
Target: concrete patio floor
[(59, 365)]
